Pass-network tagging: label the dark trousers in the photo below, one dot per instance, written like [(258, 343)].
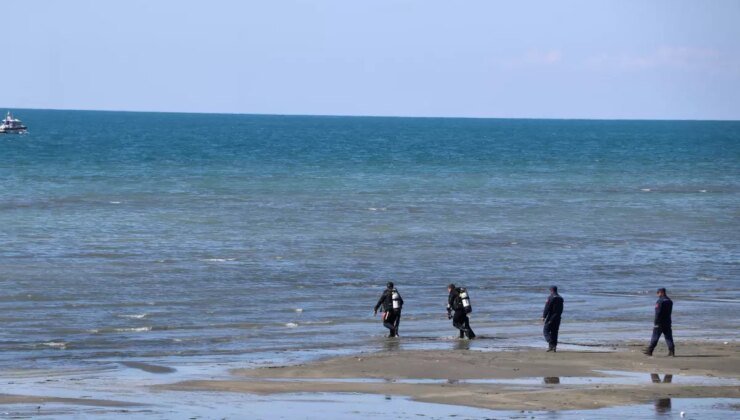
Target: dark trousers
[(461, 321), (398, 319), (389, 321), (550, 331), (666, 331)]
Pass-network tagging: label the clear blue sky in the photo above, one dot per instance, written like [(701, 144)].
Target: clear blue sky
[(555, 59)]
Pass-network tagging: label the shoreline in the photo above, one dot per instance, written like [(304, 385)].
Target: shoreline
[(524, 379)]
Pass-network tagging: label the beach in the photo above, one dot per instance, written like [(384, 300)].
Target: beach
[(522, 380), (149, 258), (704, 379)]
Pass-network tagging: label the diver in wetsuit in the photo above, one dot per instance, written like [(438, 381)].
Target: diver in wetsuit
[(458, 309), (551, 318), (391, 302), (662, 323)]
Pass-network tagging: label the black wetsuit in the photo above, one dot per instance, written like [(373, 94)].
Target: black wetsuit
[(662, 323), (392, 316), (552, 314), (460, 318)]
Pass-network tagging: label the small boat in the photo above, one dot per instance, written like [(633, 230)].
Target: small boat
[(12, 125)]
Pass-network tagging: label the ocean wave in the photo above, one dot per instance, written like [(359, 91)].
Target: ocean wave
[(133, 329), (119, 330), (291, 325), (327, 322), (218, 259), (133, 316), (55, 344)]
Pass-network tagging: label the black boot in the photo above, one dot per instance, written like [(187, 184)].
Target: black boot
[(462, 334), (647, 351), (672, 353), (550, 348)]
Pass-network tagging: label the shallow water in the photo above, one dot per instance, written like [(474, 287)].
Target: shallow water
[(232, 237), (118, 382), (323, 406)]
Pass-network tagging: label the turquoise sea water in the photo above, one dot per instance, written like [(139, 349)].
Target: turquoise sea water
[(186, 236)]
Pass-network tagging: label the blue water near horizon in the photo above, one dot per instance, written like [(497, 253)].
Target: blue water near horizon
[(156, 235)]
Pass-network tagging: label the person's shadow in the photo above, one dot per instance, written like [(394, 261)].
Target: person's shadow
[(392, 344), (663, 405), (655, 378), (462, 345)]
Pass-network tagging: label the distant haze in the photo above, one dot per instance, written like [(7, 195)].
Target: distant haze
[(541, 59)]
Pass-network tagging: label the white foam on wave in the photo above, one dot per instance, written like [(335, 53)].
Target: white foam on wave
[(119, 330), (114, 202), (219, 259), (298, 310), (133, 316), (702, 191), (377, 208), (133, 329), (291, 325), (319, 322), (645, 189), (55, 344)]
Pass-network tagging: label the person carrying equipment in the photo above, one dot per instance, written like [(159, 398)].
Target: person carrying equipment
[(551, 318), (391, 303), (662, 324), (458, 308)]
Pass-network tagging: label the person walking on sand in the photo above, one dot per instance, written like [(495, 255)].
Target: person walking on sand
[(391, 302), (662, 323), (551, 318), (458, 308)]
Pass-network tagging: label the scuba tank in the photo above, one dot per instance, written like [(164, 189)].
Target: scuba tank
[(396, 299), (465, 299)]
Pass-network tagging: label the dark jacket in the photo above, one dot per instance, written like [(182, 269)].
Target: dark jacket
[(663, 309), (553, 308), (453, 300), (386, 300)]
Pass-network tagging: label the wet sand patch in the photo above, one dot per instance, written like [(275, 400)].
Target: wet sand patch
[(35, 399), (459, 377), (146, 367)]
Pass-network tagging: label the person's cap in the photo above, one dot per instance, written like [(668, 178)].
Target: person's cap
[(554, 288), (662, 289), (451, 286), (389, 284)]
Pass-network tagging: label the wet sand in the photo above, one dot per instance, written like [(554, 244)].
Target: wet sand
[(32, 399), (149, 368), (450, 377)]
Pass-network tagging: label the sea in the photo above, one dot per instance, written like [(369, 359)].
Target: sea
[(208, 239)]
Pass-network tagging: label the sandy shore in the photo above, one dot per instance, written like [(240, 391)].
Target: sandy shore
[(32, 399), (536, 380)]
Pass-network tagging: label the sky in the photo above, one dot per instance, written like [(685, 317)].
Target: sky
[(625, 59)]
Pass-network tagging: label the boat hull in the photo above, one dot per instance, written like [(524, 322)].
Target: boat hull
[(13, 130)]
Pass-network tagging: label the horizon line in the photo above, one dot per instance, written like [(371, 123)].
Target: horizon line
[(374, 116)]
